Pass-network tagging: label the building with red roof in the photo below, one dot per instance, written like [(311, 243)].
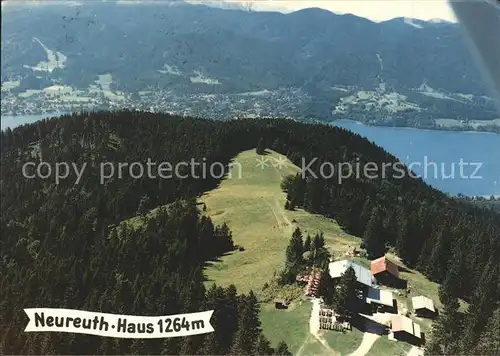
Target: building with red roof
[(382, 266), (385, 271)]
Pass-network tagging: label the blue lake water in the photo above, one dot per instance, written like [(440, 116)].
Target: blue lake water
[(18, 120), (433, 152)]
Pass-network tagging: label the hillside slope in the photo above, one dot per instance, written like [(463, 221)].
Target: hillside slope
[(253, 208), (251, 203)]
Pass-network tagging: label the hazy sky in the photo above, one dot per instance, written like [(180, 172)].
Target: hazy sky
[(376, 10)]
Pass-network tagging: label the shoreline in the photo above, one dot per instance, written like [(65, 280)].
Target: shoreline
[(328, 122), (8, 119), (332, 122)]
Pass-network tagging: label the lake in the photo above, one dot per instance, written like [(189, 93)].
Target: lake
[(18, 120), (435, 154)]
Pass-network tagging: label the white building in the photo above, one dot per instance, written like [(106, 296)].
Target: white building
[(363, 275), (380, 296)]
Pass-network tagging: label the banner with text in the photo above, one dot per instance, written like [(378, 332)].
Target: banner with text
[(115, 325)]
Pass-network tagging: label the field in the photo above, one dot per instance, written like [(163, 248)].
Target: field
[(384, 347), (251, 202), (292, 326)]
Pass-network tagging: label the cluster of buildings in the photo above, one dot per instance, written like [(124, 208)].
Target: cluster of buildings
[(285, 102), (379, 304), (383, 271)]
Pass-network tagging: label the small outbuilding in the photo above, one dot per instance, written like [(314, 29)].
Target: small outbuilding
[(280, 304), (404, 329), (424, 306)]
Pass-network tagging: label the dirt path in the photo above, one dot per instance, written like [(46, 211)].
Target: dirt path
[(278, 222), (314, 321), (278, 211), (314, 327), (281, 209), (301, 350), (367, 343), (374, 324)]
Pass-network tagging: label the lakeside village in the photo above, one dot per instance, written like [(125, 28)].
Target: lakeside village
[(348, 294)]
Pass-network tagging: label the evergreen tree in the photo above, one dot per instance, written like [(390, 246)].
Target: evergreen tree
[(440, 255), (288, 183), (446, 330), (276, 144), (318, 241), (391, 228), (263, 347), (346, 296), (313, 196), (321, 257), (295, 249), (209, 346), (365, 215), (450, 289), (307, 243), (261, 148), (143, 204), (282, 349), (327, 287), (482, 305), (248, 331), (489, 340), (373, 236)]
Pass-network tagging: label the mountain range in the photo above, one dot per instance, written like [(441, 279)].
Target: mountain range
[(191, 48)]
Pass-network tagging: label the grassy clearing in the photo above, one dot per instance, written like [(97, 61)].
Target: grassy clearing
[(344, 343), (337, 241), (251, 203), (312, 347), (253, 207), (290, 325), (385, 347)]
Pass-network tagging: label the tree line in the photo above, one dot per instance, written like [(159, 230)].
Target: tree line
[(61, 243)]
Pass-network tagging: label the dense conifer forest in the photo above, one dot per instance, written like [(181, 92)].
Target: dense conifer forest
[(97, 247)]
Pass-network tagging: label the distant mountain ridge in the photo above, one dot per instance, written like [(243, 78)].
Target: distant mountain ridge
[(341, 48), (195, 48)]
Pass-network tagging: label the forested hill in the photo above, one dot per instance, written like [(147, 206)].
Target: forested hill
[(96, 247)]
